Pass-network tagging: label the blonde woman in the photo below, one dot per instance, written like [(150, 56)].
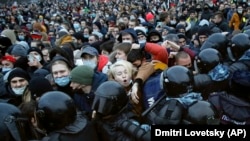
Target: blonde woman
[(123, 72)]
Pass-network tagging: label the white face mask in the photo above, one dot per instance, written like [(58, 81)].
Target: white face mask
[(38, 58), (172, 22), (142, 41), (18, 91), (78, 62), (118, 59), (90, 63), (32, 57), (132, 17), (127, 41)]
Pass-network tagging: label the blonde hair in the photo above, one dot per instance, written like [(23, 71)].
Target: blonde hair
[(129, 67)]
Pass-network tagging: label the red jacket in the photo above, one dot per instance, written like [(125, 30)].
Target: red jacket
[(157, 51)]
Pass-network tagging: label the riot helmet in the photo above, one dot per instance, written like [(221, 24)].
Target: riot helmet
[(177, 80), (239, 44), (247, 32), (12, 125), (110, 98), (207, 44), (55, 110), (202, 112), (207, 59), (219, 42)]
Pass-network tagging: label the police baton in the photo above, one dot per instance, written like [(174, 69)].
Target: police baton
[(151, 107)]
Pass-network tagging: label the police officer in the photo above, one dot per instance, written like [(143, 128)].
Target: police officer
[(213, 73), (112, 119), (233, 106), (57, 114), (12, 125), (177, 106), (239, 52)]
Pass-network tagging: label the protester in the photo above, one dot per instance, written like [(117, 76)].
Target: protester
[(75, 44)]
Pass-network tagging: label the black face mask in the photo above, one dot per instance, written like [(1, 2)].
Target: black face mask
[(198, 9), (205, 8)]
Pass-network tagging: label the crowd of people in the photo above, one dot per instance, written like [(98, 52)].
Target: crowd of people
[(109, 70)]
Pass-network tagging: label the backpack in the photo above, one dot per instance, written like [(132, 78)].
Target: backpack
[(232, 110)]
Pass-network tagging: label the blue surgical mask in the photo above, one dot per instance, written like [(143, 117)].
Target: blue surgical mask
[(19, 91), (90, 63), (21, 37), (4, 70), (62, 81), (76, 25), (86, 36), (93, 15)]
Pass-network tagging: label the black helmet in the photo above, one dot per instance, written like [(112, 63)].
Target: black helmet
[(240, 43), (240, 84), (219, 42), (12, 126), (55, 110), (247, 32), (110, 98), (207, 44), (202, 112), (177, 80), (208, 59), (170, 113)]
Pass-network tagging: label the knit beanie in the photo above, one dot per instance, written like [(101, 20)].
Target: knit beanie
[(62, 33), (149, 16), (9, 34), (82, 75), (18, 50), (18, 72), (24, 44), (9, 58), (39, 85)]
